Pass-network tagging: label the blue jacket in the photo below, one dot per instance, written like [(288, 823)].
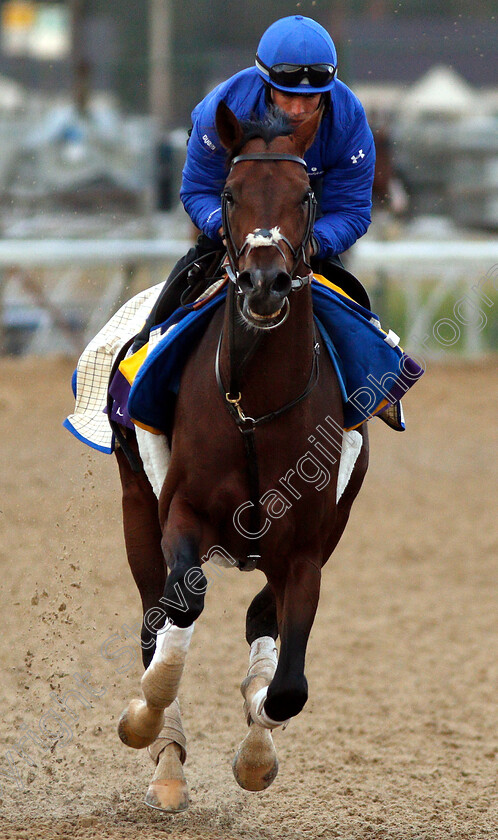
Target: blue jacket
[(342, 158)]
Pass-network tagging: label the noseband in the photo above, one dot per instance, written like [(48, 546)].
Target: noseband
[(264, 236)]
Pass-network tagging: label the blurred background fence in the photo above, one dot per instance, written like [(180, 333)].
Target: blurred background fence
[(95, 98)]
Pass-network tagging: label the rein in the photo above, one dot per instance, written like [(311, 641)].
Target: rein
[(246, 424)]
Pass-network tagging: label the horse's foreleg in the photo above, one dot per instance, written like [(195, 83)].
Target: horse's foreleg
[(142, 721), (296, 603), (142, 533), (183, 601), (168, 788)]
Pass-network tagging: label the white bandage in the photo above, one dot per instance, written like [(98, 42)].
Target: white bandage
[(262, 650), (258, 713), (172, 643), (161, 680)]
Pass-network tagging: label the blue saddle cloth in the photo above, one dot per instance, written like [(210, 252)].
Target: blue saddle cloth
[(372, 369)]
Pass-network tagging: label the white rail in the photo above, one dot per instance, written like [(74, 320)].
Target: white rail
[(450, 265), (369, 254), (40, 253), (372, 255), (425, 274)]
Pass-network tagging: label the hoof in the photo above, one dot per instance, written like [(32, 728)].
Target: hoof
[(169, 795), (139, 725), (168, 789), (255, 765)]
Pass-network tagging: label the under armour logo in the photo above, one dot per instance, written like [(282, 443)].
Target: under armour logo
[(359, 156)]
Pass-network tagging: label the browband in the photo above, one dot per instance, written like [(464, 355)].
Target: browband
[(269, 156)]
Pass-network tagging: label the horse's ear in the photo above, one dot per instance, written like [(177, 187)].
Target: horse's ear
[(305, 133), (228, 127)]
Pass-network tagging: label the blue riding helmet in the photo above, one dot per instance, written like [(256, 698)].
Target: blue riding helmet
[(297, 55)]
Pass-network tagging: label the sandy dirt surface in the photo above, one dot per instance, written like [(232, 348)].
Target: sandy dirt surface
[(398, 740)]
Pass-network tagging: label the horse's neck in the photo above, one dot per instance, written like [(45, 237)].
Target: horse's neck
[(278, 368)]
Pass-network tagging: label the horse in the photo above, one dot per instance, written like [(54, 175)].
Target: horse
[(252, 394)]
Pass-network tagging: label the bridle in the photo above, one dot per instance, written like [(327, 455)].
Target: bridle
[(298, 254), (232, 398), (234, 254)]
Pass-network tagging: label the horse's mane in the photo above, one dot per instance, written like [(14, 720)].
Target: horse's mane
[(275, 123)]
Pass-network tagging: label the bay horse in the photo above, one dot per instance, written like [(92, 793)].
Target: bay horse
[(241, 482)]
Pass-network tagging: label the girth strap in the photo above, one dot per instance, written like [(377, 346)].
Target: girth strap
[(252, 469)]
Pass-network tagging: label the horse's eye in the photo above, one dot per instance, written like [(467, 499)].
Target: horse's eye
[(228, 197)]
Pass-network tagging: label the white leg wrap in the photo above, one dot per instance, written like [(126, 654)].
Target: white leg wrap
[(263, 657), (161, 680), (172, 643), (258, 713), (172, 731)]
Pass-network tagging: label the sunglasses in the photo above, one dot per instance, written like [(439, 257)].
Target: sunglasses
[(292, 75)]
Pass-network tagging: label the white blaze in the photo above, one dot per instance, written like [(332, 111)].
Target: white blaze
[(258, 240)]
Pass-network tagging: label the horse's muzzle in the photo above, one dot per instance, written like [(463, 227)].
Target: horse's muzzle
[(263, 322), (264, 293)]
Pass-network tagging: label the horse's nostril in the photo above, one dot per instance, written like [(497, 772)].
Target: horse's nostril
[(262, 283), (245, 281), (282, 283)]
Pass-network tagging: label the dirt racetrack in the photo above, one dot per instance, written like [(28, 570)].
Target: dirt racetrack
[(398, 740)]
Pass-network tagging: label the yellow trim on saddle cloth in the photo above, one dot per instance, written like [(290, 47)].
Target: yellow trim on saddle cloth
[(321, 279), (330, 285), (338, 289), (150, 429), (379, 408), (129, 368)]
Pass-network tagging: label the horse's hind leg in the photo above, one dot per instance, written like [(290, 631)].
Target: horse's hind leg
[(261, 619), (255, 765), (297, 600), (168, 790)]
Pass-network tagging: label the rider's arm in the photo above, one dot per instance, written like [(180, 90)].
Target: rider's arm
[(205, 169), (346, 200), (204, 173)]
